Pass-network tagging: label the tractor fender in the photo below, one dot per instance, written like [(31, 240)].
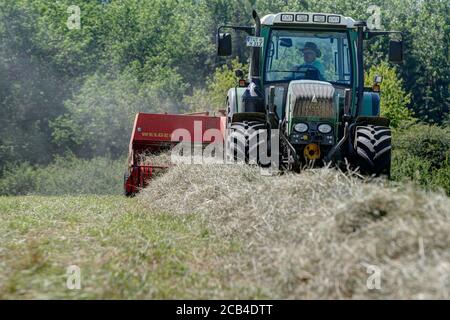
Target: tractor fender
[(248, 116), (375, 120), (234, 101), (371, 105)]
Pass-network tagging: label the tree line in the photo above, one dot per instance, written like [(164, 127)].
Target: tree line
[(74, 88)]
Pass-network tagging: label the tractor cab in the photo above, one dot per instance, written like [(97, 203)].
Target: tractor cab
[(306, 79)]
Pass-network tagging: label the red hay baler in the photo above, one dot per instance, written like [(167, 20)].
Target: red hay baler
[(154, 133)]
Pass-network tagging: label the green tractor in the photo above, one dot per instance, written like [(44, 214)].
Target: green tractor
[(306, 82)]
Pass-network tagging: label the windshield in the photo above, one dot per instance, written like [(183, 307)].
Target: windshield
[(296, 55)]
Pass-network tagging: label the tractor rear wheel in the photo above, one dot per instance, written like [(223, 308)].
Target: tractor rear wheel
[(373, 149), (246, 141)]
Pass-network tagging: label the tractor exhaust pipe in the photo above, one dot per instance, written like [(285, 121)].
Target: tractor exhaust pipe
[(258, 23), (360, 25), (254, 73)]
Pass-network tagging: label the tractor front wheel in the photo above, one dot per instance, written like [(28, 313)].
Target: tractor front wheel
[(373, 149)]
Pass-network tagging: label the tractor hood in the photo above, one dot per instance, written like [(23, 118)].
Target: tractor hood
[(308, 99), (312, 102)]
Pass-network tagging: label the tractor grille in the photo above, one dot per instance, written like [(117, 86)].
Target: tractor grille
[(312, 99)]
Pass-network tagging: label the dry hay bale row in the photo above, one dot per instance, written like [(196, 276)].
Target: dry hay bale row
[(319, 234)]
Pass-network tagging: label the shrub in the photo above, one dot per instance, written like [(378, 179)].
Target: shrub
[(421, 153), (66, 176), (427, 142), (394, 99), (18, 180)]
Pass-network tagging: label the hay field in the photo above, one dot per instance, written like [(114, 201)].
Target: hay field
[(228, 232), (318, 235)]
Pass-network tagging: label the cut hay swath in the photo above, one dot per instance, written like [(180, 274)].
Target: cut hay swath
[(318, 234)]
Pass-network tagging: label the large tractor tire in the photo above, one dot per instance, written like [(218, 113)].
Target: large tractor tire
[(245, 140), (373, 149)]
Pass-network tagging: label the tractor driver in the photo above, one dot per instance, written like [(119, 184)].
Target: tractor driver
[(310, 55)]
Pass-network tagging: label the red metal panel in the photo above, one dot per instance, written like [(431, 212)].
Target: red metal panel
[(160, 127)]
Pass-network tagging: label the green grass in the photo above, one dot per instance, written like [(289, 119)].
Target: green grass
[(123, 252), (295, 236)]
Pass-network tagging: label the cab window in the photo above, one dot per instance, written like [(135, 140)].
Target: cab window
[(296, 55)]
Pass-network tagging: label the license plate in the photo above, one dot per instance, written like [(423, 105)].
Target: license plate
[(255, 42)]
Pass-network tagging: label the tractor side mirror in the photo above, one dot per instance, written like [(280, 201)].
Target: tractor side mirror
[(224, 45), (396, 51)]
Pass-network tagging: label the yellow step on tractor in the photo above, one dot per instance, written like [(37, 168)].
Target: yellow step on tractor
[(304, 99)]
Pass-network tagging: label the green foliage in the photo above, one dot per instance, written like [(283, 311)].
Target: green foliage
[(31, 90), (99, 120), (422, 154), (428, 142), (214, 97), (198, 101), (223, 79), (427, 62), (18, 180), (394, 99), (54, 81), (77, 90), (66, 175)]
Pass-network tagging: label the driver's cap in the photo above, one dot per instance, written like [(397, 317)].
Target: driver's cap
[(312, 46)]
